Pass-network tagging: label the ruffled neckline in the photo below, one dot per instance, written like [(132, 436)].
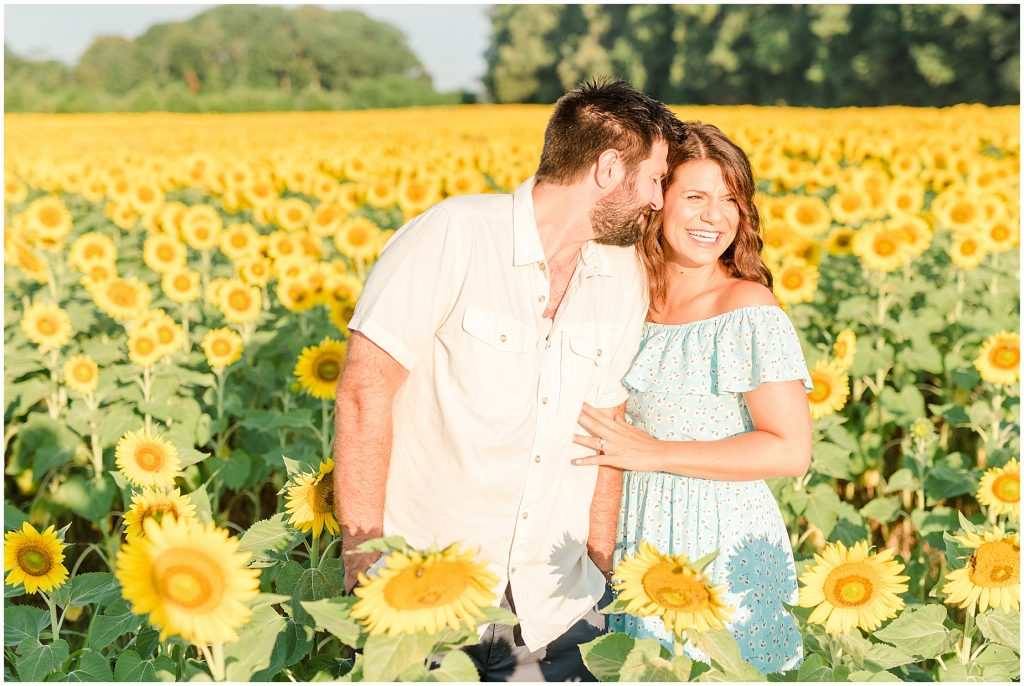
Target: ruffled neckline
[(715, 317)]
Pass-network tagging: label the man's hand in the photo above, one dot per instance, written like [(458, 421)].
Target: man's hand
[(356, 564)]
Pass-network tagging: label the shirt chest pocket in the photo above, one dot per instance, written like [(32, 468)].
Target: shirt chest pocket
[(585, 353), (496, 366)]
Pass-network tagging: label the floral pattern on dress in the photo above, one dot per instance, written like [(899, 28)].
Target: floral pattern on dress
[(686, 383)]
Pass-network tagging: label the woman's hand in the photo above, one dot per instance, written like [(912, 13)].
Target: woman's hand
[(617, 443)]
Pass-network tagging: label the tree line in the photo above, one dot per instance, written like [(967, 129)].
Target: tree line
[(801, 55), (233, 58)]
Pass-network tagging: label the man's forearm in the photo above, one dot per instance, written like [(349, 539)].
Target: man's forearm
[(362, 454), (604, 515)]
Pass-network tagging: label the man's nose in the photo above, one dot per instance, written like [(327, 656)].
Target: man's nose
[(658, 199)]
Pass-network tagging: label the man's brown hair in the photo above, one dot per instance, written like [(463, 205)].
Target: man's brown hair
[(597, 116)]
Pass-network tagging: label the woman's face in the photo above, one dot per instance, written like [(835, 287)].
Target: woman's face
[(701, 215)]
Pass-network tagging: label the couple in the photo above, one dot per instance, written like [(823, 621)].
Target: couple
[(495, 326)]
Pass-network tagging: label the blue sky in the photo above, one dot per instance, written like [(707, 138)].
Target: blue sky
[(449, 39)]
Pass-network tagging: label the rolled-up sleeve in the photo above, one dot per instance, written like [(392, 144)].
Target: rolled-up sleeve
[(413, 287)]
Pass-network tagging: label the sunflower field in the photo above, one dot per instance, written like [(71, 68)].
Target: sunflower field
[(177, 293)]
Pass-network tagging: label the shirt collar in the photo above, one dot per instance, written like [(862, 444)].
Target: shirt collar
[(526, 245)]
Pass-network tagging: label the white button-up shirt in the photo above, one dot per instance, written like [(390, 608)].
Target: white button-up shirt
[(484, 424)]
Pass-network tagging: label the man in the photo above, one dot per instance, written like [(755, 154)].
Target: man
[(486, 324)]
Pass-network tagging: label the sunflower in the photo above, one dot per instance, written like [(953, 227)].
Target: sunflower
[(155, 504), (34, 559), (850, 587), (380, 193), (880, 248), (89, 249), (120, 298), (222, 347), (170, 336), (968, 251), (146, 197), (292, 214), (357, 239), (144, 348), (991, 577), (464, 181), (425, 591), (147, 459), (326, 219), (15, 191), (49, 217), (319, 368), (998, 360), (809, 215), (905, 198), (238, 240), (123, 216), (848, 207), (310, 501), (163, 253), (656, 584), (914, 233), (255, 270), (200, 227), (81, 374), (240, 302), (416, 195), (844, 349), (281, 245), (47, 325), (293, 293), (190, 578), (831, 388), (180, 285), (795, 281), (340, 314), (999, 490)]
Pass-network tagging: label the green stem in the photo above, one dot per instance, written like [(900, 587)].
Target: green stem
[(54, 624), (147, 389), (964, 650), (325, 441), (314, 553), (221, 374)]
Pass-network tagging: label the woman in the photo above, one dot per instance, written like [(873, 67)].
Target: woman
[(717, 403)]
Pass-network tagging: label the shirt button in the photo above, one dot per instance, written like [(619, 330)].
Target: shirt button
[(536, 458), (504, 338), (526, 515), (541, 298), (542, 266), (544, 400), (598, 350), (512, 571)]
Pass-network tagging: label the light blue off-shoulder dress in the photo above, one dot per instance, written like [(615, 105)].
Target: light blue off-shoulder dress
[(686, 384)]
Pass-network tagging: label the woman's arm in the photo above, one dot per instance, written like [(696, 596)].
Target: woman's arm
[(779, 445)]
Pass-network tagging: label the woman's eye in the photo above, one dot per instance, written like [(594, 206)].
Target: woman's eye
[(693, 197)]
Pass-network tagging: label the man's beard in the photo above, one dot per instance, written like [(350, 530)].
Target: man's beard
[(617, 220)]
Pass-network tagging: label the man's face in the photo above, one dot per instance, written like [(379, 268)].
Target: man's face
[(621, 217)]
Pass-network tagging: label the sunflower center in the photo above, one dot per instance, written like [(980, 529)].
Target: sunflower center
[(674, 587), (884, 247), (327, 368), (843, 240), (323, 495), (239, 300), (1007, 488), (995, 564), (165, 334), (221, 347), (146, 195), (968, 248), (34, 561), (191, 583), (122, 294), (840, 349), (427, 585), (822, 390), (94, 251), (182, 282), (149, 458), (793, 281), (144, 346), (82, 372), (49, 216), (1000, 233), (47, 327), (165, 252), (961, 214), (849, 585), (1005, 356)]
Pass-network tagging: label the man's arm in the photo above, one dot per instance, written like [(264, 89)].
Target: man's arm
[(604, 509), (362, 447)]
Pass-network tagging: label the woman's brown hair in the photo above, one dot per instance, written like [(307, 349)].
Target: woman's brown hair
[(742, 258)]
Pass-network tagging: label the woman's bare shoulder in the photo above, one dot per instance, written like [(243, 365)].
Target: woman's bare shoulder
[(743, 293)]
